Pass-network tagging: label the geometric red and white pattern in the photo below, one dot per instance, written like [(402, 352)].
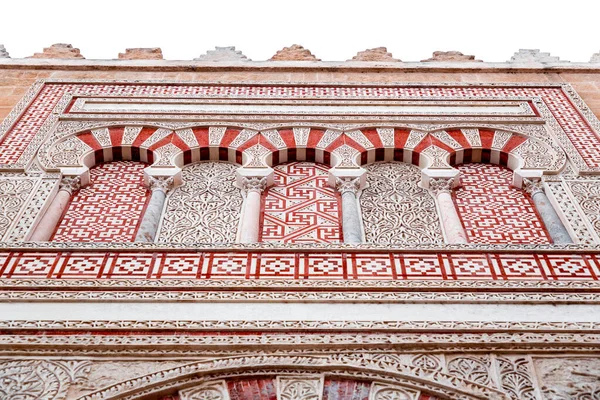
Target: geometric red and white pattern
[(28, 124), (109, 209), (494, 212), (338, 265), (301, 207)]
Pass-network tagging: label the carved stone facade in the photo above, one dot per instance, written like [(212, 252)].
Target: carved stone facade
[(206, 208), (395, 209), (247, 286)]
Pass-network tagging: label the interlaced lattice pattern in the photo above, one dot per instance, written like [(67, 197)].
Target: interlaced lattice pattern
[(493, 211), (107, 210), (301, 207)]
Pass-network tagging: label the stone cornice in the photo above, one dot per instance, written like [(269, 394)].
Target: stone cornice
[(356, 66)]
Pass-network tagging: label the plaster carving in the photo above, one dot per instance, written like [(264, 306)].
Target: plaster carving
[(32, 211), (569, 378), (208, 391), (299, 388), (473, 368), (13, 197), (515, 378), (39, 379), (206, 208), (587, 195), (395, 209), (584, 232), (67, 153)]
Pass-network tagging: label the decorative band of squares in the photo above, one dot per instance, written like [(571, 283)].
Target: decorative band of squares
[(261, 265)]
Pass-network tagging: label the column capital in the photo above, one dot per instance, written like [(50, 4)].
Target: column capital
[(441, 185), (254, 183), (162, 183), (533, 186), (70, 184), (350, 184)]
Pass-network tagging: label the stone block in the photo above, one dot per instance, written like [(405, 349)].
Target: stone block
[(3, 52), (150, 53), (228, 53), (294, 53), (376, 54), (450, 56), (59, 50), (534, 56)]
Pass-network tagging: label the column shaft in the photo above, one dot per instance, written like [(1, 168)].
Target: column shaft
[(350, 218), (554, 225), (147, 230), (44, 230), (455, 233), (251, 218), (47, 225)]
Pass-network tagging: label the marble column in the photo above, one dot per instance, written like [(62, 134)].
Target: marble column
[(351, 221), (249, 228), (442, 191), (159, 186), (554, 225), (46, 227)]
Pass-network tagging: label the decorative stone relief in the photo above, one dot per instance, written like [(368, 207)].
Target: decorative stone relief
[(256, 156), (385, 392), (59, 50), (70, 184), (472, 368), (583, 231), (569, 378), (299, 388), (206, 208), (450, 56), (67, 153), (515, 378), (587, 195), (539, 155), (228, 53), (152, 53), (40, 379), (13, 196), (3, 52), (395, 209), (208, 391), (376, 54), (595, 58), (32, 211), (294, 53)]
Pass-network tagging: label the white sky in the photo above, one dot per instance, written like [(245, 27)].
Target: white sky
[(332, 30)]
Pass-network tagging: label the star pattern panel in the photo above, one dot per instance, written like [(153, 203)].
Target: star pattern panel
[(109, 209), (301, 207), (494, 212)]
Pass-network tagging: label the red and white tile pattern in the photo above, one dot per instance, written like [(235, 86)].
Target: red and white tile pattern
[(299, 265), (301, 207), (494, 212), (107, 210), (572, 122)]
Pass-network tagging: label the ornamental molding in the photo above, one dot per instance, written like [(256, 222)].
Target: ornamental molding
[(514, 286), (426, 248), (300, 297), (265, 325), (70, 184), (362, 367)]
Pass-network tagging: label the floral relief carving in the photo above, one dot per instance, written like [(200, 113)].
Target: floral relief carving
[(515, 378), (13, 196), (395, 209), (68, 152), (384, 392), (299, 388), (209, 391), (39, 379), (587, 195), (206, 208), (472, 368)]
